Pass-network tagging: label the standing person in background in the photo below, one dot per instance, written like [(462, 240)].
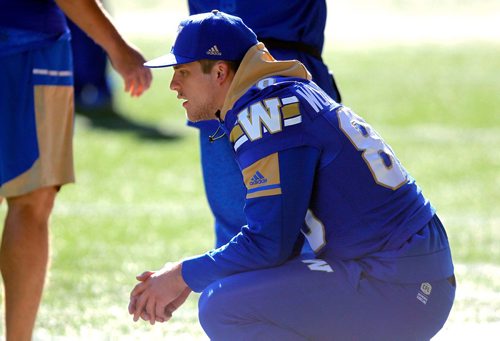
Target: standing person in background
[(290, 29), (36, 127), (94, 91)]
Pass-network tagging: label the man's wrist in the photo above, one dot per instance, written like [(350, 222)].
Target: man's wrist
[(176, 269)]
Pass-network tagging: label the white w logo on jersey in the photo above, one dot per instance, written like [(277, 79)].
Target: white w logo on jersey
[(261, 115)]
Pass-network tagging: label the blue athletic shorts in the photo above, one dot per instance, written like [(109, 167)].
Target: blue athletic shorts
[(36, 118)]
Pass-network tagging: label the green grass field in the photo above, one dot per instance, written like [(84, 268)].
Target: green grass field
[(139, 202)]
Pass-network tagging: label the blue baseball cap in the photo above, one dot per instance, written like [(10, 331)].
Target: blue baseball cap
[(214, 35)]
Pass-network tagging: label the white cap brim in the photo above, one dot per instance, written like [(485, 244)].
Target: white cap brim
[(167, 60)]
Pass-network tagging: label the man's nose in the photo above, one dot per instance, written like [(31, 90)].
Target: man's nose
[(174, 85)]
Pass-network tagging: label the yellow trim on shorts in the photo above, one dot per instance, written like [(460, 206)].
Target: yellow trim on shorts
[(54, 111)]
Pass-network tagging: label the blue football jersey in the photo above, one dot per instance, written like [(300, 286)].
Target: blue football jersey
[(360, 190), (314, 169)]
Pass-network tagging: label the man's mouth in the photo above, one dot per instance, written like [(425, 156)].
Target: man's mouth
[(180, 97)]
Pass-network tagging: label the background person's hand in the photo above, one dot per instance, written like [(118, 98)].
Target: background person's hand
[(128, 62)]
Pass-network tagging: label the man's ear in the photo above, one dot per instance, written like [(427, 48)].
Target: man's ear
[(222, 71)]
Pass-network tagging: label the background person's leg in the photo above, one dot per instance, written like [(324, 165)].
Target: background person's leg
[(24, 258)]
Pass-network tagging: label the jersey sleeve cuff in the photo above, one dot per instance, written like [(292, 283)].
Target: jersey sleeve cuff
[(192, 273)]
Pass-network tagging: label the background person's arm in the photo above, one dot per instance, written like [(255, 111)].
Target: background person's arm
[(94, 20)]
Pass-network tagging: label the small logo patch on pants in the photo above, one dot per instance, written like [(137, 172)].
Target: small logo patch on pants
[(424, 292)]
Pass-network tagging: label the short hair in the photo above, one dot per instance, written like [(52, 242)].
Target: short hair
[(208, 64)]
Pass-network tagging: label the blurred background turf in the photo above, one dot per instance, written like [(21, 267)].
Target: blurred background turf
[(139, 202)]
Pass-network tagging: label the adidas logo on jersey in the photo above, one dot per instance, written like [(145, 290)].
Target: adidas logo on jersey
[(258, 179), (214, 51)]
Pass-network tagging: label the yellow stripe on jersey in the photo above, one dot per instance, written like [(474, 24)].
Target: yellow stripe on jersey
[(236, 133), (264, 193), (262, 178), (290, 110)]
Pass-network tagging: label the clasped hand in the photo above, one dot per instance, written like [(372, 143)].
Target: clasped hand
[(158, 294)]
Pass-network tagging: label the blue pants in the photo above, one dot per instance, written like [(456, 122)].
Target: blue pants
[(223, 185), (322, 300)]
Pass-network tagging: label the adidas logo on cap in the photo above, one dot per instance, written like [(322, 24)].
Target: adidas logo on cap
[(214, 51)]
